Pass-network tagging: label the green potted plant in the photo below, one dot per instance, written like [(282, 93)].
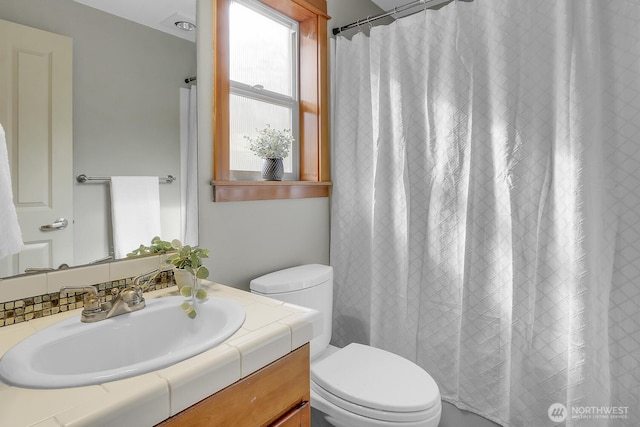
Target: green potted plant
[(187, 263), (157, 246), (186, 260), (272, 146), (188, 270)]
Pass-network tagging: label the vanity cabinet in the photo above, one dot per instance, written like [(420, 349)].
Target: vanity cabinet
[(275, 396)]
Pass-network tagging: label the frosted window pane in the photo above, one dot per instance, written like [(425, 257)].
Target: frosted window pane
[(248, 116), (260, 50)]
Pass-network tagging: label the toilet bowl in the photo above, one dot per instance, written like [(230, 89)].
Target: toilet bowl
[(358, 385)]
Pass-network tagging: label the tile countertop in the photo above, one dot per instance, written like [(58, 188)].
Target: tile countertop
[(271, 330)]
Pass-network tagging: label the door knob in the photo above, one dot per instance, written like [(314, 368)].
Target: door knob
[(58, 224)]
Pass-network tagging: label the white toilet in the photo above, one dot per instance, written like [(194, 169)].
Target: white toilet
[(358, 385)]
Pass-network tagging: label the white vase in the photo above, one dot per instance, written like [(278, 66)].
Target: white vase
[(182, 277)]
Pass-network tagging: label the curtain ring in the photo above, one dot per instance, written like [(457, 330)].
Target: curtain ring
[(369, 21), (358, 24)]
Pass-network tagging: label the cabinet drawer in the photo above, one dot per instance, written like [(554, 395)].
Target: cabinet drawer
[(300, 416), (264, 398)]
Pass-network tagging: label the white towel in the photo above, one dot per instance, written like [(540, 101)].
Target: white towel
[(135, 212), (10, 234)]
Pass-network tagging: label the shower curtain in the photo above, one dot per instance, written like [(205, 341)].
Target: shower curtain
[(486, 204), (189, 166)]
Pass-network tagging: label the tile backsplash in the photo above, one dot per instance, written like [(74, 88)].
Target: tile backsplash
[(30, 297)]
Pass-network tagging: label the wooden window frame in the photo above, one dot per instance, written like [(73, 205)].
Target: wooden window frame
[(314, 167)]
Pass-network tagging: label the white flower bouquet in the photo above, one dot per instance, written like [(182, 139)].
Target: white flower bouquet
[(271, 143)]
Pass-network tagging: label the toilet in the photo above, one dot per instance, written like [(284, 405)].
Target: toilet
[(358, 385)]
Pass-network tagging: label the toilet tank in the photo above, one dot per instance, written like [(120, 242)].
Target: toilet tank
[(309, 286)]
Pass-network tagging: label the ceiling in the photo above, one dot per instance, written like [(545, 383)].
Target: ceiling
[(162, 14), (390, 4), (158, 14)]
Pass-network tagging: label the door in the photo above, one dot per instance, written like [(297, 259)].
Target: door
[(36, 113)]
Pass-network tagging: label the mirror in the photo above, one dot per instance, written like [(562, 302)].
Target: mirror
[(126, 104)]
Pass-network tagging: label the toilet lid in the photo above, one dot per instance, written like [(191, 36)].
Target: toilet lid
[(375, 380)]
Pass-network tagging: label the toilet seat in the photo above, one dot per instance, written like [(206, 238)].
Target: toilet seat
[(376, 384)]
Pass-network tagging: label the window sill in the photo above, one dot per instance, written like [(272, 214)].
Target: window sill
[(237, 191)]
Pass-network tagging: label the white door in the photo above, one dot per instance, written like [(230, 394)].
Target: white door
[(36, 113)]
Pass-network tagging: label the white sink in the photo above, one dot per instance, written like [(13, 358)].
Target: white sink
[(72, 354)]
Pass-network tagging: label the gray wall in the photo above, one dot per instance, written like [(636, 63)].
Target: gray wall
[(344, 12), (126, 108), (248, 239)]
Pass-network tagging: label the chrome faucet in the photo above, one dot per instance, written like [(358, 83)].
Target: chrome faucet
[(125, 301)]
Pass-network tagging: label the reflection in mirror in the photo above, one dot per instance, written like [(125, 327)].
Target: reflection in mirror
[(126, 119)]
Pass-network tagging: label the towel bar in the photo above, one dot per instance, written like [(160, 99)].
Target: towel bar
[(82, 178)]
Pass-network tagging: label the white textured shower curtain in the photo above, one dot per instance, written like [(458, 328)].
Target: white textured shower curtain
[(486, 204), (189, 166)]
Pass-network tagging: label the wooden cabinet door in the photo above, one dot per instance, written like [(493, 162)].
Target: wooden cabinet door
[(276, 395)]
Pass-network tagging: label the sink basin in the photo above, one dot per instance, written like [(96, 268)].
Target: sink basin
[(72, 354)]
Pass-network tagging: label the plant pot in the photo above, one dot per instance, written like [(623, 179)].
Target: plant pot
[(272, 169), (182, 277)]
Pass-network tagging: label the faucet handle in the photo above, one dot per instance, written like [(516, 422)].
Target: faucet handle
[(132, 296), (89, 289), (90, 297)]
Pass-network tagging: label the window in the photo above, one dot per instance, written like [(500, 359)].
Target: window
[(263, 73), (277, 76)]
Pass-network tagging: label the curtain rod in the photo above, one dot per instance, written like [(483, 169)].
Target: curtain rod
[(426, 3), (82, 178)]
